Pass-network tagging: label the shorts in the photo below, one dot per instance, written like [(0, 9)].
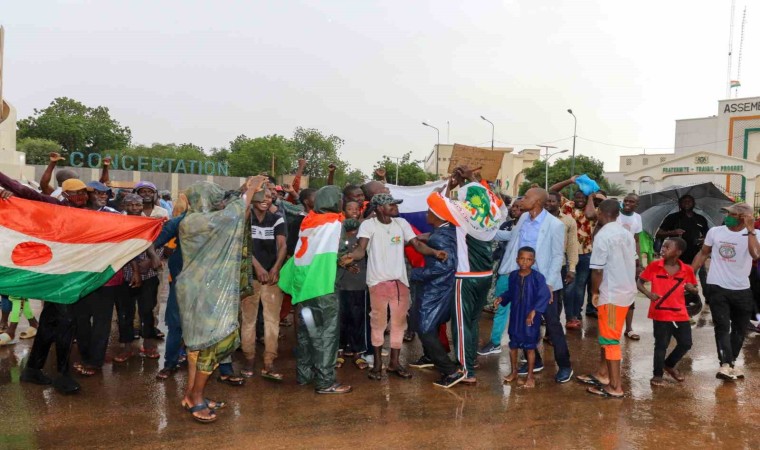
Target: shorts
[(207, 359), (611, 322)]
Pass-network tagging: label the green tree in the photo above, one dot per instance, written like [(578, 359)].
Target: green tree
[(251, 156), (560, 171), (409, 171), (37, 150), (353, 176), (76, 127), (320, 151), (613, 189)]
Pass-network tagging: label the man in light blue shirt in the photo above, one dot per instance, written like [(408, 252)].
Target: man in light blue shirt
[(546, 234)]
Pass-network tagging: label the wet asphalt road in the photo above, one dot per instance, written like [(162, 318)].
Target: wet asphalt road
[(126, 407)]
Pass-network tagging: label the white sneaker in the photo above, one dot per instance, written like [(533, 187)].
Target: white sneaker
[(725, 373), (737, 372)]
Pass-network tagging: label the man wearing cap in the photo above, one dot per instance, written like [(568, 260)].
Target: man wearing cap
[(384, 236), (149, 194), (165, 200), (97, 197), (56, 320), (732, 248)]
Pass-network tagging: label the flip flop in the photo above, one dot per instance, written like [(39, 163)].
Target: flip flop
[(271, 375), (231, 380), (361, 363), (601, 392), (400, 372), (6, 339), (201, 407), (632, 336), (375, 375), (589, 379), (28, 333)]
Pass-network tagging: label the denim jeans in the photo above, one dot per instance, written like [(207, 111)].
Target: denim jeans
[(576, 291), (174, 332), (501, 316)]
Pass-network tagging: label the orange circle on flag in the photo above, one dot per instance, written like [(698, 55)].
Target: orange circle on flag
[(28, 254)]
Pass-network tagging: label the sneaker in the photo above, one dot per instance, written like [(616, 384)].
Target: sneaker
[(564, 375), (523, 369), (737, 372), (489, 349), (725, 373), (449, 381), (370, 358), (422, 363)]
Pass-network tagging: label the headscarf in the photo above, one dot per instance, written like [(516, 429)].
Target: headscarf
[(327, 200)]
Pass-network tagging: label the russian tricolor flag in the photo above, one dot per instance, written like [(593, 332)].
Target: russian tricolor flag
[(414, 209)]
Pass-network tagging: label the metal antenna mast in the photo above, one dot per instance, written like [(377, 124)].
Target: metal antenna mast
[(730, 50), (739, 63)]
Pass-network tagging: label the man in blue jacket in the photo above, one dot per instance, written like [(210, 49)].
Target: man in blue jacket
[(435, 294), (545, 233)]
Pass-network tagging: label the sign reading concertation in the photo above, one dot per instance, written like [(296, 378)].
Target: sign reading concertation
[(150, 164)]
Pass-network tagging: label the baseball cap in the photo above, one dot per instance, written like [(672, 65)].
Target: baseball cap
[(278, 188), (73, 184), (739, 208), (384, 199), (97, 186)]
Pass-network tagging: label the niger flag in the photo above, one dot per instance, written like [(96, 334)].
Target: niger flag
[(311, 272), (60, 254)]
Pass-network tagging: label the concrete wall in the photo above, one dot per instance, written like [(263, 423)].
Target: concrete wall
[(697, 134), (632, 163), (12, 163)]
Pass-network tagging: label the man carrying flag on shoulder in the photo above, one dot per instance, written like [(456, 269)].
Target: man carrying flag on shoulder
[(310, 278), (478, 213), (29, 267)]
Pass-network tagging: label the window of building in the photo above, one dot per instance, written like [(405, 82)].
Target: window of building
[(645, 161), (628, 161)]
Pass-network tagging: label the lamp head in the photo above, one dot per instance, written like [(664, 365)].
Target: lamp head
[(483, 118), (425, 123), (570, 111)]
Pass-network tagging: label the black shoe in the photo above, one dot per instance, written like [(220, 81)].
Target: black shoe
[(66, 385), (159, 334), (35, 376), (408, 336), (422, 363), (449, 381), (592, 314)]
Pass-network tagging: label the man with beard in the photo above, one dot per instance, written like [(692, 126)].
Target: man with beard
[(149, 194)]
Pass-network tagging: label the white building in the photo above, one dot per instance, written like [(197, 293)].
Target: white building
[(724, 149)]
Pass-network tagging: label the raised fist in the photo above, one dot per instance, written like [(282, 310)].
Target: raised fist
[(55, 157), (107, 161), (332, 167)]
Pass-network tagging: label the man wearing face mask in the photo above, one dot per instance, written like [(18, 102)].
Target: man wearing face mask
[(56, 320), (732, 248)]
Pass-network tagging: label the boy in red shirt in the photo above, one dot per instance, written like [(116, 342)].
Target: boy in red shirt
[(669, 278)]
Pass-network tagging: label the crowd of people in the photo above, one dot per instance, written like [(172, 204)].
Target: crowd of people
[(238, 263)]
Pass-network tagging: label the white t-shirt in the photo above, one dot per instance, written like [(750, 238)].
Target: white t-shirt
[(615, 254), (385, 251), (731, 262), (631, 223)]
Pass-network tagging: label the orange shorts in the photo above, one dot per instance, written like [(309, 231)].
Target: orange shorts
[(611, 323)]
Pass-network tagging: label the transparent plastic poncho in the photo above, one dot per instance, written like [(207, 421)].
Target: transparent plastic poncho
[(208, 288)]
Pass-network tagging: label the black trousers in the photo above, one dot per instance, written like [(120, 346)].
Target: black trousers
[(731, 312), (353, 316), (57, 326), (125, 313), (556, 333), (146, 297), (93, 315), (663, 332), (434, 350)]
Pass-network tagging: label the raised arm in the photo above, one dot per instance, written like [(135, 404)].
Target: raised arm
[(293, 196), (331, 174), (21, 191), (754, 245), (47, 175), (104, 178), (562, 184)]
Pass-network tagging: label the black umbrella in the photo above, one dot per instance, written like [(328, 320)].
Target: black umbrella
[(655, 206)]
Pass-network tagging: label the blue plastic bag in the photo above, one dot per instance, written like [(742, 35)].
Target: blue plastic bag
[(586, 185)]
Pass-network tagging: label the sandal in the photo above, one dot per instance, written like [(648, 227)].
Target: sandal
[(6, 339), (339, 362), (375, 375), (150, 353), (84, 371), (200, 407), (589, 379), (400, 372), (336, 388), (361, 363), (602, 392), (231, 380), (28, 333), (123, 357), (166, 372), (630, 334), (207, 403), (270, 374), (247, 373)]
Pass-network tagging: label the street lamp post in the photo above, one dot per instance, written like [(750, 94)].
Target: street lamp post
[(438, 133), (575, 134), (492, 130), (546, 162), (398, 161)]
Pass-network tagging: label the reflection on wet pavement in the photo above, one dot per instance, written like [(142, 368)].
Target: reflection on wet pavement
[(126, 406)]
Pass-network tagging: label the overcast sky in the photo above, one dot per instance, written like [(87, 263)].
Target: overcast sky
[(372, 71)]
